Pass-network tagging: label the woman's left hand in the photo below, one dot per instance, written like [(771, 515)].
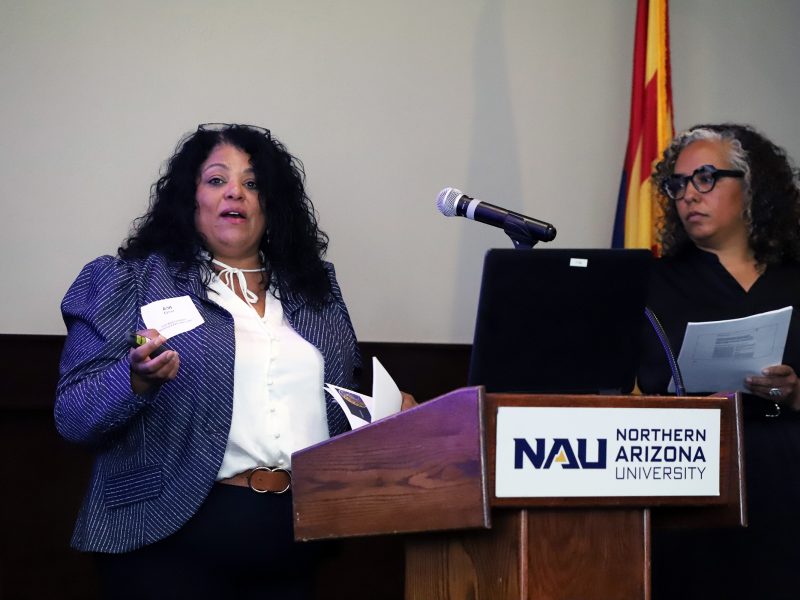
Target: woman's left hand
[(779, 377), (408, 401)]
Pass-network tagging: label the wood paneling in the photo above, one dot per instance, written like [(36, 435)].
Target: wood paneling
[(540, 554), (45, 477), (468, 565)]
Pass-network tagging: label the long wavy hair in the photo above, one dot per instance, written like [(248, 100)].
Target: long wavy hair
[(292, 245), (769, 187)]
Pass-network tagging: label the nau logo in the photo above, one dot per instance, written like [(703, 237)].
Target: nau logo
[(560, 451)]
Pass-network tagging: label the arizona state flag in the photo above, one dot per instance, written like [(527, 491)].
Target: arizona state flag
[(651, 128)]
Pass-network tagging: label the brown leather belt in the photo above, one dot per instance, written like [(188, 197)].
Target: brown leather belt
[(262, 480)]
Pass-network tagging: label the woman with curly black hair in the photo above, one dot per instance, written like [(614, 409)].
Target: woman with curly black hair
[(769, 184), (190, 494), (292, 245), (731, 245)]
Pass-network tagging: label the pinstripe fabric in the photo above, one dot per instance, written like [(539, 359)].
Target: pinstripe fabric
[(156, 456)]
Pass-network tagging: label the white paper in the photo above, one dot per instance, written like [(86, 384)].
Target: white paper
[(171, 316), (361, 409), (719, 355), (356, 407), (386, 396)]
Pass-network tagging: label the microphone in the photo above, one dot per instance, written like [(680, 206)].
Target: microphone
[(454, 203)]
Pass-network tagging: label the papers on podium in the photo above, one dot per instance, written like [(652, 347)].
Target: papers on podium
[(361, 409), (719, 355)]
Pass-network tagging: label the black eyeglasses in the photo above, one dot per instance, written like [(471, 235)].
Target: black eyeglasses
[(227, 126), (703, 179)]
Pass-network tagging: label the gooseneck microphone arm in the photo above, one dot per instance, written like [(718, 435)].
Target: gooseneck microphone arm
[(524, 231), (680, 388)]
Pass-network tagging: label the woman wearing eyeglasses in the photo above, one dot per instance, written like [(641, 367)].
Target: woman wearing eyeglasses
[(731, 248), (190, 494)]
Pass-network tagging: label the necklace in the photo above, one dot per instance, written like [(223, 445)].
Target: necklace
[(227, 274)]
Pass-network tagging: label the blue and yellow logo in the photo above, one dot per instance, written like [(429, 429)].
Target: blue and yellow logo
[(544, 453)]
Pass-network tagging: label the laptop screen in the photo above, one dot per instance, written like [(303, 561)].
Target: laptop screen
[(560, 321)]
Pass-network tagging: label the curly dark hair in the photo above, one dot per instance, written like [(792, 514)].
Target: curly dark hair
[(293, 245), (770, 187)]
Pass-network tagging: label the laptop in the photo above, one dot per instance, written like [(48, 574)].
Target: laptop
[(560, 321)]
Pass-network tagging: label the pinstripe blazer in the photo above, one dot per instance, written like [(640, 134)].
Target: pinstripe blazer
[(157, 455)]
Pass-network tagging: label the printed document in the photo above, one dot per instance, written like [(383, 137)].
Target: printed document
[(361, 409), (718, 355)]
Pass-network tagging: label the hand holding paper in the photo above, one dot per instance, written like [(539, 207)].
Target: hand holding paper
[(720, 355)]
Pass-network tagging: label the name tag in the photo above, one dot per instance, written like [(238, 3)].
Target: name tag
[(171, 316)]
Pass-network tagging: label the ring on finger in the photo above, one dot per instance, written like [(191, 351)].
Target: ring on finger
[(775, 392)]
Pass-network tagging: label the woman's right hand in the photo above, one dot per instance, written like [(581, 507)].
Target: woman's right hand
[(148, 373)]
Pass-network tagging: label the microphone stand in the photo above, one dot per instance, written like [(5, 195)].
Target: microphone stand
[(515, 228)]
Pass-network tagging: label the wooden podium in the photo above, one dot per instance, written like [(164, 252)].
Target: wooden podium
[(430, 472)]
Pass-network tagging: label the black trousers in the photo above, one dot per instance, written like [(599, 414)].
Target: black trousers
[(239, 544)]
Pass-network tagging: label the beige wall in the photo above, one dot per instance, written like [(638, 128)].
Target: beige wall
[(522, 103)]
